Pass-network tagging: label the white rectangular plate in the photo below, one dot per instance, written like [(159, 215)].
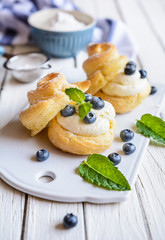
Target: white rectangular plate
[(19, 168)]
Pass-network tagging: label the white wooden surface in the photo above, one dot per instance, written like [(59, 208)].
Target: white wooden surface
[(143, 215)]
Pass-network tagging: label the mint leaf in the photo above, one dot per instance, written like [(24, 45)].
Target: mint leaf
[(75, 94), (100, 171), (103, 166), (84, 109), (92, 176), (151, 126)]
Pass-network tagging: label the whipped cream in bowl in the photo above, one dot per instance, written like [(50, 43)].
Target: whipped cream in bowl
[(77, 126), (61, 33), (63, 21)]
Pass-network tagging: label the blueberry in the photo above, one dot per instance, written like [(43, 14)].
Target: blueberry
[(69, 110), (115, 158), (153, 90), (129, 148), (88, 97), (70, 221), (90, 118), (129, 69), (131, 63), (42, 155), (143, 73), (126, 135), (97, 103)]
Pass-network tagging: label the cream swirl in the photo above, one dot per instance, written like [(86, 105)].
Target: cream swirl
[(76, 125), (125, 85)]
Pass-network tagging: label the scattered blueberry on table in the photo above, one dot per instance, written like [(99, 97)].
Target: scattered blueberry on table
[(67, 111), (90, 118), (115, 158), (129, 148), (70, 220), (126, 135), (97, 103), (143, 73), (153, 90), (88, 97), (42, 155)]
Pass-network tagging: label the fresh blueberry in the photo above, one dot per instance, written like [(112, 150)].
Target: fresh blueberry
[(97, 103), (126, 135), (90, 118), (129, 69), (129, 148), (143, 73), (88, 97), (115, 158), (153, 90), (70, 221), (42, 155), (69, 110), (131, 63)]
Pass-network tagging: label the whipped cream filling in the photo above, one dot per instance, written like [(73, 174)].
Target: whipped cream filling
[(76, 125), (125, 85)]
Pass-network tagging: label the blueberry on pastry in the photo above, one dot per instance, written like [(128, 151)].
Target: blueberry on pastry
[(114, 78)]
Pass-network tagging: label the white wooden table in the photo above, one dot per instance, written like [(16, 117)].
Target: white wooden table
[(141, 217)]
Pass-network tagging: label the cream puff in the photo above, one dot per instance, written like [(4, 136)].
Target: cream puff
[(115, 79), (75, 135), (51, 107)]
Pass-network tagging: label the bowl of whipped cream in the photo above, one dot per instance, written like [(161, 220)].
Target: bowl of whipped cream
[(60, 33)]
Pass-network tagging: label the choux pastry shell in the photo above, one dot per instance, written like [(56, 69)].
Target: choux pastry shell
[(82, 145)]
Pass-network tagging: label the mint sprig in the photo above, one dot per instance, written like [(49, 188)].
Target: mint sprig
[(78, 96), (84, 109), (100, 171), (75, 94), (152, 126)]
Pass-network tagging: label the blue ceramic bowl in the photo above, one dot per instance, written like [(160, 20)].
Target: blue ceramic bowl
[(60, 44)]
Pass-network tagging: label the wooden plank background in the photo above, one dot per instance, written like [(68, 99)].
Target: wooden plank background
[(141, 217)]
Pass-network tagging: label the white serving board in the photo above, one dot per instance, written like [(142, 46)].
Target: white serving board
[(19, 168)]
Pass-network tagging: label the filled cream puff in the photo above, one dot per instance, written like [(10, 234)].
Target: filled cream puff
[(114, 78), (72, 134), (51, 107)]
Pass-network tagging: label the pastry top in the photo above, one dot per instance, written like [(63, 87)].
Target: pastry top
[(48, 86), (99, 55), (47, 100)]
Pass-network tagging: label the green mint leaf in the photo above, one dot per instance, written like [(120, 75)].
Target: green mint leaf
[(75, 94), (151, 126), (92, 176), (102, 165), (84, 109), (104, 173)]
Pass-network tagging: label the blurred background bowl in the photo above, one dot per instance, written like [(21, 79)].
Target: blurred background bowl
[(60, 43), (27, 67)]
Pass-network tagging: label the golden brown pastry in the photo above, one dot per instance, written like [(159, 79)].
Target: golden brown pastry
[(78, 144), (47, 100), (114, 78)]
